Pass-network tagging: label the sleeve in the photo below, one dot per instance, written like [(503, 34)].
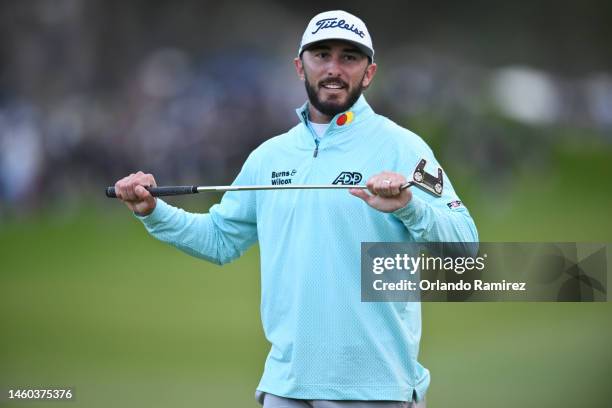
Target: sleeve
[(429, 218), (219, 236)]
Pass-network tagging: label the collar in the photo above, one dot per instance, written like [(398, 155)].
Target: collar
[(344, 120)]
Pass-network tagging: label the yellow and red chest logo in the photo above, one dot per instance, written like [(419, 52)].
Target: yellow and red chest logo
[(345, 119)]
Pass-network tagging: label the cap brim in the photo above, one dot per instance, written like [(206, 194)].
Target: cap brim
[(365, 50)]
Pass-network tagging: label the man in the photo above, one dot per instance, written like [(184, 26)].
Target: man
[(329, 349)]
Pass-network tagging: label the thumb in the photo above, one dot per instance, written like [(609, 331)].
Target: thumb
[(143, 194), (361, 194)]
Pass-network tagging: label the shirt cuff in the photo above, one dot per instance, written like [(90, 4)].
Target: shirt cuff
[(157, 215), (412, 212)]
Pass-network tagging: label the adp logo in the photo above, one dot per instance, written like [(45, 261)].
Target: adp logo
[(348, 177)]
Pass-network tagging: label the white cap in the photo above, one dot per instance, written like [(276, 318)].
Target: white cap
[(338, 25)]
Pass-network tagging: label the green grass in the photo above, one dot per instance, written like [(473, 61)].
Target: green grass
[(94, 303), (88, 300)]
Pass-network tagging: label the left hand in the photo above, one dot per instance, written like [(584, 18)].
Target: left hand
[(386, 195)]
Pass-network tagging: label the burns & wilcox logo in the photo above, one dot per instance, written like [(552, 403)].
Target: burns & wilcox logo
[(282, 177)]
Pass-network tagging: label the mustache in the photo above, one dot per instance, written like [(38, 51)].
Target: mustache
[(333, 81)]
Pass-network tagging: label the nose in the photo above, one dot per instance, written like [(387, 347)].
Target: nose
[(333, 67)]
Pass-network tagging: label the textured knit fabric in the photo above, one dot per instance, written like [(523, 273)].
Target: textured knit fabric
[(274, 401), (319, 129), (326, 343)]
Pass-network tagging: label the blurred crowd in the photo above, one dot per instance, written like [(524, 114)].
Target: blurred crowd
[(89, 94)]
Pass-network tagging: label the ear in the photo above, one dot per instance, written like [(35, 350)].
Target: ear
[(299, 67), (369, 75)]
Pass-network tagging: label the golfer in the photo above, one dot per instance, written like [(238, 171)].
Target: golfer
[(328, 349)]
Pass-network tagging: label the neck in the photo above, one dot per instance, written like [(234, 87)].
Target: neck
[(317, 117)]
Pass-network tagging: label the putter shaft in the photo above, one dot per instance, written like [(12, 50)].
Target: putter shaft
[(180, 190), (288, 187)]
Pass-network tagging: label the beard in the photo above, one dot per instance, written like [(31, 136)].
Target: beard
[(332, 107)]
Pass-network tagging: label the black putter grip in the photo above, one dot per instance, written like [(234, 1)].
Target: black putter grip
[(160, 191)]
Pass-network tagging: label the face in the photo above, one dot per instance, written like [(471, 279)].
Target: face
[(335, 74)]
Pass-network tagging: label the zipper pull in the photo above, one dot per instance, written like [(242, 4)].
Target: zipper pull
[(316, 151)]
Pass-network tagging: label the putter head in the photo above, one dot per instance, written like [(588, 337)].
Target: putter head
[(428, 182)]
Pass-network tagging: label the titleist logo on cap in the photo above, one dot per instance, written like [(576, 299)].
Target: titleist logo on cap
[(337, 25), (334, 22)]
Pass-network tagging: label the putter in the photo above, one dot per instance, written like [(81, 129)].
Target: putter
[(420, 178)]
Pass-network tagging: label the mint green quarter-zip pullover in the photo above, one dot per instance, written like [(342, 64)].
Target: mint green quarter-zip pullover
[(326, 343)]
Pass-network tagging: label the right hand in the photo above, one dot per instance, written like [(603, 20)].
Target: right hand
[(131, 190)]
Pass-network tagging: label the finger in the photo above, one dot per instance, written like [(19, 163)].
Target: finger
[(143, 179), (119, 187), (370, 184), (137, 180), (357, 192), (379, 185), (384, 187), (118, 190), (390, 183), (123, 187), (394, 188), (150, 180), (142, 193), (145, 196), (129, 193)]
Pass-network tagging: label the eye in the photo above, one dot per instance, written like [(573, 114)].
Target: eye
[(322, 54), (350, 57)]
